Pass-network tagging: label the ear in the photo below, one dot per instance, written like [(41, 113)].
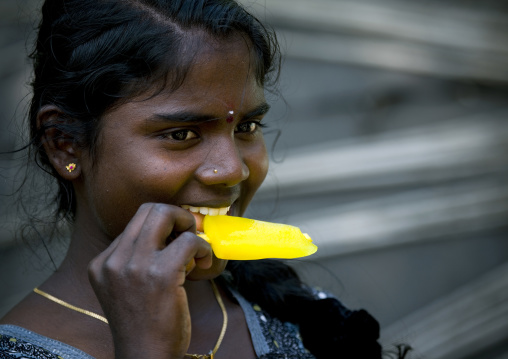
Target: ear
[(59, 143)]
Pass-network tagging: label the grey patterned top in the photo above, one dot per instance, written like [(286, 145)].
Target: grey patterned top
[(16, 342)]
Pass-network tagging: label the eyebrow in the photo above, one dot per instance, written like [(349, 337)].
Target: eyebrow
[(257, 111), (192, 117)]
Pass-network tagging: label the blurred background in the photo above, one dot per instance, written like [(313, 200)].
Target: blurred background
[(393, 119)]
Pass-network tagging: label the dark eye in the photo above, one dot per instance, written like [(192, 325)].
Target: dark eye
[(248, 127), (182, 135)]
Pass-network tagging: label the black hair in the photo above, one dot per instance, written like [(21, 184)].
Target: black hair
[(92, 55), (328, 329)]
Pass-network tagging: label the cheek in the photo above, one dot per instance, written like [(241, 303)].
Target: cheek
[(128, 182), (257, 161), (258, 164), (111, 204)]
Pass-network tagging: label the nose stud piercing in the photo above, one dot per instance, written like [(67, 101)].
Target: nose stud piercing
[(71, 167), (215, 170)]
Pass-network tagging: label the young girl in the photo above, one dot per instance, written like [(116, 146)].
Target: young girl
[(149, 115)]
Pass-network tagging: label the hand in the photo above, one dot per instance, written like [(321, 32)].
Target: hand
[(139, 281)]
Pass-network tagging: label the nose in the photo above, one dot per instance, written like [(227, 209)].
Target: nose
[(223, 163)]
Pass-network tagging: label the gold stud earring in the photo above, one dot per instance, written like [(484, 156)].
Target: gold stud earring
[(71, 167), (215, 171)]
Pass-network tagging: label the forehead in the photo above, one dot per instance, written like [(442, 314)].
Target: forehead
[(221, 78), (222, 69)]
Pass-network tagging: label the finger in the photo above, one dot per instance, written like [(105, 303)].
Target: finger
[(136, 223), (131, 231), (162, 221), (122, 245), (190, 266), (183, 251)]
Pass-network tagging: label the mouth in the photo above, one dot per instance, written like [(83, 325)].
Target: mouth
[(211, 211), (199, 213)]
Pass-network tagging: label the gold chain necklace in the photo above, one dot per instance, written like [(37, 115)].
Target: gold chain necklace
[(211, 355)]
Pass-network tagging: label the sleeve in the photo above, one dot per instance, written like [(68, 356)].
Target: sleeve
[(14, 348)]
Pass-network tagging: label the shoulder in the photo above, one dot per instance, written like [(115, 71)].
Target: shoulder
[(327, 327), (281, 337), (271, 336)]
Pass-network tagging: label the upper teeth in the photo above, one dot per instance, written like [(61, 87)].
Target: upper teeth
[(207, 210)]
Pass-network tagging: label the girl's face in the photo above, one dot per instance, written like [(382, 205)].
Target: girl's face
[(199, 146)]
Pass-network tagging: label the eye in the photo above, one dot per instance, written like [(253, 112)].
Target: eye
[(182, 135), (248, 127)]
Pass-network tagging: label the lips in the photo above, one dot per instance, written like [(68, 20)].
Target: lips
[(200, 212)]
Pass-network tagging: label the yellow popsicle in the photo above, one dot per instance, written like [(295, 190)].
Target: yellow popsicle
[(247, 239)]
